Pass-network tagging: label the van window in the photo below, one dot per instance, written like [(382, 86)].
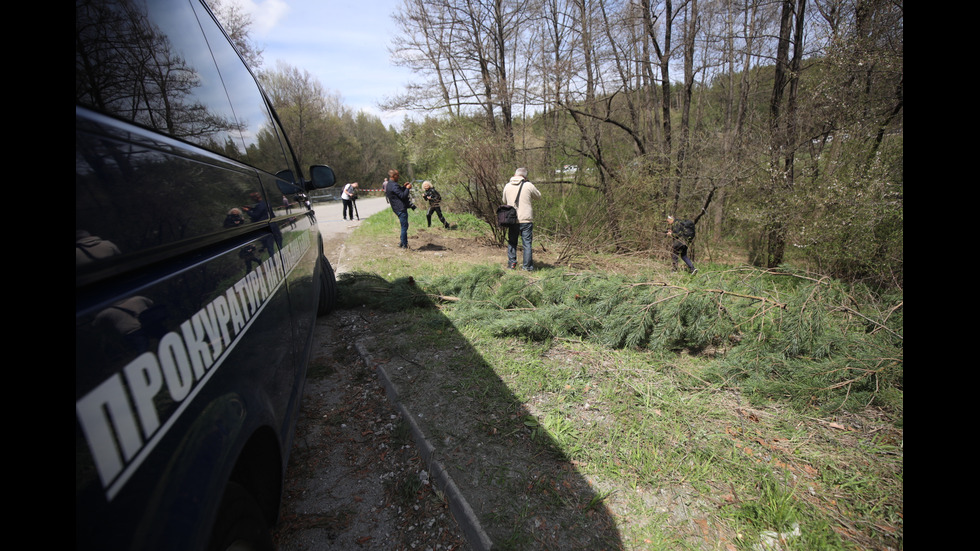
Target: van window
[(263, 144), (179, 94), (143, 188)]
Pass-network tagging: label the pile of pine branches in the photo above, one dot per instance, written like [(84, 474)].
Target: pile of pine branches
[(774, 334)]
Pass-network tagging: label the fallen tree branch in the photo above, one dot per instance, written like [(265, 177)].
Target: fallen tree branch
[(716, 291), (879, 325)]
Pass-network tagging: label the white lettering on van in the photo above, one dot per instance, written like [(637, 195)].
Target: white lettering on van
[(121, 418)]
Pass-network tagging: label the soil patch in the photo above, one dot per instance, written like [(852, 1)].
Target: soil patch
[(521, 489), (355, 478)]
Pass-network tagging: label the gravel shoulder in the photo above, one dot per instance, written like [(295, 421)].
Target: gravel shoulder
[(387, 457), (355, 478)]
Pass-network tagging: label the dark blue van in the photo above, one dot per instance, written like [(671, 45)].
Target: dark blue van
[(199, 274)]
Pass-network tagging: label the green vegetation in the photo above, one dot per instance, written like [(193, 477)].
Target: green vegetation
[(761, 400), (737, 407), (778, 126)]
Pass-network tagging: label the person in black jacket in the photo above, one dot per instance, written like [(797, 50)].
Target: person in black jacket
[(400, 198), (430, 194), (682, 232)]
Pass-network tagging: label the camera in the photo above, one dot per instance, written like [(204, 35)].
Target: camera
[(411, 204)]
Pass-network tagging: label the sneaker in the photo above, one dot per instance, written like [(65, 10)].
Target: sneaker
[(512, 265), (694, 271)]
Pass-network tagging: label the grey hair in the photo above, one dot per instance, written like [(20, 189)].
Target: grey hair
[(522, 172)]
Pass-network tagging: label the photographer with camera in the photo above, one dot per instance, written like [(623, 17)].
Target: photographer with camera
[(435, 203), (400, 198), (348, 197)]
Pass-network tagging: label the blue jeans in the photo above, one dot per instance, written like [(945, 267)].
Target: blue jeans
[(403, 218), (526, 232)]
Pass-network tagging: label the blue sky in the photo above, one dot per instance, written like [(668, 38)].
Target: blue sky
[(343, 43)]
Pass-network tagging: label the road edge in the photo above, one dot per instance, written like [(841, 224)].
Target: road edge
[(460, 508)]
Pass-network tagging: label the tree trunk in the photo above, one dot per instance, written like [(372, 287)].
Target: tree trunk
[(782, 129)]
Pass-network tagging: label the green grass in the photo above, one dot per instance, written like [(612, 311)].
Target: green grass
[(709, 412)]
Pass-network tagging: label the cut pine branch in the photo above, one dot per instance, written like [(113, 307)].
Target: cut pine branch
[(715, 291)]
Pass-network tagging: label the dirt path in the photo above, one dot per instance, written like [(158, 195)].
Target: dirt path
[(355, 478)]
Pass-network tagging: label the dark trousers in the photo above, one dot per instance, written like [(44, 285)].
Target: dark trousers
[(680, 250), (403, 235), (438, 211)]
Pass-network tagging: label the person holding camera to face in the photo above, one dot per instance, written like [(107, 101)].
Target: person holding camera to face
[(400, 198), (435, 203)]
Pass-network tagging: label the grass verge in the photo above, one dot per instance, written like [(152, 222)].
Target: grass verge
[(633, 408)]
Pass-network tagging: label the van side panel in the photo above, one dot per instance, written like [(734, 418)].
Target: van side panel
[(157, 352), (195, 280)]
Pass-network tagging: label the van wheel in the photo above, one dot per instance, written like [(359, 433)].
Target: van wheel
[(328, 287), (240, 525)]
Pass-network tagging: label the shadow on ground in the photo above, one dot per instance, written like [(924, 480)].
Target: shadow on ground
[(521, 490)]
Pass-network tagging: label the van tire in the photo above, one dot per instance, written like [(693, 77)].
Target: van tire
[(240, 524), (328, 288)]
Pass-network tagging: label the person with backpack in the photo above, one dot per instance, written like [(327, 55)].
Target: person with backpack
[(682, 232), (519, 193), (432, 196)]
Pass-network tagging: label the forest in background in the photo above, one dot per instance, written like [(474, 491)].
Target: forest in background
[(776, 124)]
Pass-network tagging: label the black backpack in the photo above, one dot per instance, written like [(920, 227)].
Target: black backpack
[(507, 214), (686, 230)]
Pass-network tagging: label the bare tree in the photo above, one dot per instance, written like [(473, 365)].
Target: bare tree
[(301, 102), (238, 25), (662, 49), (464, 49), (679, 105), (691, 29), (424, 45)]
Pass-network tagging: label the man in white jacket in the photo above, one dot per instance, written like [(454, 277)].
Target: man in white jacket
[(520, 193)]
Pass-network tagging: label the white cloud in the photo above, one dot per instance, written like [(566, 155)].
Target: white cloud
[(266, 14)]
